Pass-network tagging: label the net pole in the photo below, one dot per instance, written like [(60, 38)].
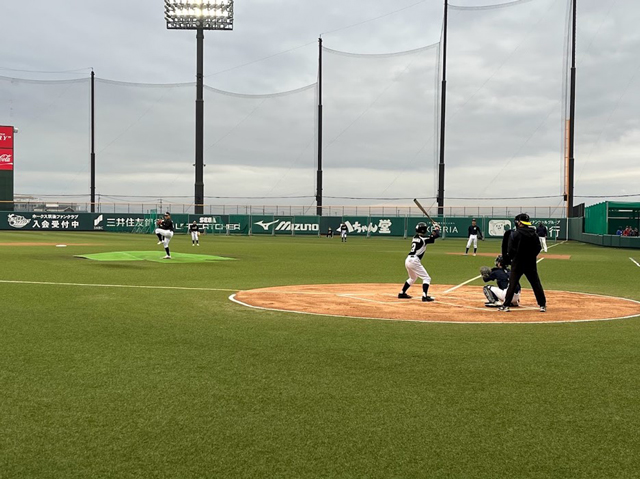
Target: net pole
[(319, 172), (199, 184), (93, 144), (572, 111), (442, 111)]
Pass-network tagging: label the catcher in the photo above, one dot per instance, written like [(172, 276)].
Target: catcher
[(497, 293)]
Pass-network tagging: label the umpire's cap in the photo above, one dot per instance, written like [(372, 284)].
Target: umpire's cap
[(524, 219)]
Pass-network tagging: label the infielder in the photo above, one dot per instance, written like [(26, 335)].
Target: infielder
[(413, 263), (474, 233), (195, 234), (343, 232), (542, 232), (165, 231), (500, 274), (523, 247)]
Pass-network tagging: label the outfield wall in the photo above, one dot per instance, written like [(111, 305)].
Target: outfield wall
[(453, 227), (576, 233)]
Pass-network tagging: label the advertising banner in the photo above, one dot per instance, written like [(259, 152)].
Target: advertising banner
[(46, 221), (6, 148), (297, 225), (375, 225), (378, 226), (284, 225)]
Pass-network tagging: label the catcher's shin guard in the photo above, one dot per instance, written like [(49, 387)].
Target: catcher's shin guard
[(492, 298)]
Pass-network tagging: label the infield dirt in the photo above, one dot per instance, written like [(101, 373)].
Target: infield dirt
[(462, 305)]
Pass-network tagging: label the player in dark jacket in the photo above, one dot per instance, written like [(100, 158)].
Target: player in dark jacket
[(542, 232), (522, 250), (194, 229), (474, 234), (165, 231), (499, 274)]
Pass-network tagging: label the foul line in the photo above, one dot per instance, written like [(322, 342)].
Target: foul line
[(114, 285), (556, 244), (637, 264)]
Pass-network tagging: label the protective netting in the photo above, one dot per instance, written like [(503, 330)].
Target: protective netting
[(505, 110), (145, 139), (505, 125), (53, 118), (608, 77), (379, 123)]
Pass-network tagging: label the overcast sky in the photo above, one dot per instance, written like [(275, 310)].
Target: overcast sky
[(506, 100)]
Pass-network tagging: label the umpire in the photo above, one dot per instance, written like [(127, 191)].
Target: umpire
[(522, 247)]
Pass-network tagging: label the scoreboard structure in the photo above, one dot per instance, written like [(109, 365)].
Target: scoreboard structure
[(6, 167)]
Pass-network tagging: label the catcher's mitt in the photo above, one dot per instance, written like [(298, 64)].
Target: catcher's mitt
[(485, 271)]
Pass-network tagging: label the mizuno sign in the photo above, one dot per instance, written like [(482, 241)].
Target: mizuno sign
[(286, 225)]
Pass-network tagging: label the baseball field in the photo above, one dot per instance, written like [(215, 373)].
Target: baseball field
[(131, 367)]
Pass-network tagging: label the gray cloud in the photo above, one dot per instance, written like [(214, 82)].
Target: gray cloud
[(504, 111)]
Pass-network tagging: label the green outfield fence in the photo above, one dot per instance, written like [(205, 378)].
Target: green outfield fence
[(301, 225), (265, 224)]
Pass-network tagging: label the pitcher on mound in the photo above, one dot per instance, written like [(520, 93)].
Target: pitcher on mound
[(165, 231), (413, 262)]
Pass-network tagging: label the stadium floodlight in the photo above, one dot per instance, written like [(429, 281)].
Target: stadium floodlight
[(199, 15), (195, 14)]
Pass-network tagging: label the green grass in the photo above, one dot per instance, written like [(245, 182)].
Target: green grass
[(151, 256), (124, 382)]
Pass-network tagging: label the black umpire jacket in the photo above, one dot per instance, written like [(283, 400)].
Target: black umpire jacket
[(521, 246)]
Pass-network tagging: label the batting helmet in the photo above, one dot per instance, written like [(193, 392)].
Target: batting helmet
[(421, 228)]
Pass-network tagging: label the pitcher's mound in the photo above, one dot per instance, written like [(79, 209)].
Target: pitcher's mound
[(462, 305)]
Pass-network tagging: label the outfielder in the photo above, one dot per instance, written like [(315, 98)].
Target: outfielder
[(343, 232), (195, 234), (474, 233), (413, 263), (497, 293), (165, 231)]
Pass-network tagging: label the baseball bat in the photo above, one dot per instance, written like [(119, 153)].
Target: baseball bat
[(423, 210)]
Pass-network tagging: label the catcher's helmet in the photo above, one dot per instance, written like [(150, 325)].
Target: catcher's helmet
[(499, 260), (421, 228)]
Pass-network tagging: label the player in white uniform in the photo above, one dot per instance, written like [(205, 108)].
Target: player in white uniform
[(413, 263), (542, 232), (474, 233), (195, 233), (165, 231), (343, 232)]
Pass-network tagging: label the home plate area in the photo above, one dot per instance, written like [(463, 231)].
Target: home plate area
[(461, 305)]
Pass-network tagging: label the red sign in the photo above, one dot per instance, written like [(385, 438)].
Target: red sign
[(6, 159), (6, 137), (6, 148)]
